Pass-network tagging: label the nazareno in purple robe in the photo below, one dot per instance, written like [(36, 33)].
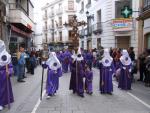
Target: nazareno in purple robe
[(79, 77), (88, 81), (106, 74), (66, 61), (124, 78), (6, 93), (52, 83), (73, 77)]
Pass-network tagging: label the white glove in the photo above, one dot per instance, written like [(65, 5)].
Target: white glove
[(124, 68), (129, 70), (43, 62)]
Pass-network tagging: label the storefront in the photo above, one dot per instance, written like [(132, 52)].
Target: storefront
[(19, 37), (123, 32)]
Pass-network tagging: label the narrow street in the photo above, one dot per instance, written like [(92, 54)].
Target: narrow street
[(27, 95)]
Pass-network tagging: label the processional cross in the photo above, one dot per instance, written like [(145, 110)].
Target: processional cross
[(75, 34)]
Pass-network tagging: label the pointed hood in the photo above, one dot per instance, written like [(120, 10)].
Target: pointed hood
[(79, 55), (5, 57), (53, 62), (107, 59), (125, 59)]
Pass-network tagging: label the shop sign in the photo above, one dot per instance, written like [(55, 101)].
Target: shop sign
[(122, 24)]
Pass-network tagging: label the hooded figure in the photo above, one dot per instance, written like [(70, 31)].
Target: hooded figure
[(72, 85), (125, 67), (53, 74), (107, 71), (6, 69), (80, 74), (88, 80), (66, 61)]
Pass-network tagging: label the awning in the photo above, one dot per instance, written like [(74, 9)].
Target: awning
[(19, 31)]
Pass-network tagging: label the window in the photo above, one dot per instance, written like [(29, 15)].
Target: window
[(60, 36), (70, 5), (99, 16), (52, 23), (70, 18), (60, 21), (89, 1), (52, 10), (60, 6), (82, 6), (120, 5), (146, 3), (52, 36)]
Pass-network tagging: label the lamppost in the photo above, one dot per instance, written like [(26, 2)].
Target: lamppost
[(89, 17), (75, 35)]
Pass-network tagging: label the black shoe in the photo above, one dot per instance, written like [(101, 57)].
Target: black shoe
[(110, 93), (81, 95), (90, 93), (74, 92), (20, 80)]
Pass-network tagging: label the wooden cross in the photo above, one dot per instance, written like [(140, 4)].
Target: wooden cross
[(75, 24)]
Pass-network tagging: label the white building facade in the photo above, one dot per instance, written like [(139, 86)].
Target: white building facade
[(107, 27), (21, 22), (56, 13)]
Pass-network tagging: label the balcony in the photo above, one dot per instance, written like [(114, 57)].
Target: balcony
[(82, 33), (97, 28), (90, 30), (88, 5), (78, 1), (20, 18), (59, 11), (145, 12), (51, 14), (44, 17)]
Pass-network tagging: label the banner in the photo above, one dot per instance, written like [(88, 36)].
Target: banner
[(122, 24)]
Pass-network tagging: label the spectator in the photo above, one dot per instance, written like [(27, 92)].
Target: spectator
[(21, 64)]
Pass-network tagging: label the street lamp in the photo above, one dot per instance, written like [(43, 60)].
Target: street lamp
[(89, 17)]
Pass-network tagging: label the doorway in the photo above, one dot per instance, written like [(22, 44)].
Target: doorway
[(123, 42)]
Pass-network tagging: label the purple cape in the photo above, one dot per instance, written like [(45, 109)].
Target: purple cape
[(52, 83), (106, 85), (125, 77), (73, 77), (88, 81)]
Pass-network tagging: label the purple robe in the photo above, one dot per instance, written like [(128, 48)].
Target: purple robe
[(66, 60), (125, 77), (52, 83), (79, 77), (73, 77), (6, 93), (88, 81), (106, 73)]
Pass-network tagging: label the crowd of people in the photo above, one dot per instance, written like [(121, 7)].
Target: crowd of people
[(119, 63)]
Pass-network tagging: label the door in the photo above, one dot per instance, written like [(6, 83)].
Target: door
[(123, 42)]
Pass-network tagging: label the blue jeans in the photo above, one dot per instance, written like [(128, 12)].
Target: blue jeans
[(20, 71), (15, 69)]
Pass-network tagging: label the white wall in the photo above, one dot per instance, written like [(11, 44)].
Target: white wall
[(107, 14), (39, 22)]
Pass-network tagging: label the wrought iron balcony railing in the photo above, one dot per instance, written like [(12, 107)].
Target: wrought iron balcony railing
[(146, 8), (97, 28)]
